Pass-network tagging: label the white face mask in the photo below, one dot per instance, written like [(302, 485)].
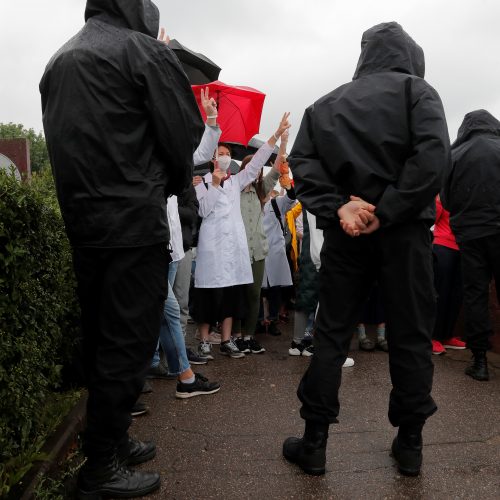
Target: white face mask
[(224, 162)]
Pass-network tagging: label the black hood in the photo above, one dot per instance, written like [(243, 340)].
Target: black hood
[(387, 47), (479, 121), (137, 15)]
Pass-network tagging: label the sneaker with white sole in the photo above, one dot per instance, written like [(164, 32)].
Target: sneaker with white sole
[(242, 345), (194, 358), (301, 349), (205, 350), (213, 337), (201, 386), (255, 347), (139, 408), (348, 363), (229, 348), (454, 343)]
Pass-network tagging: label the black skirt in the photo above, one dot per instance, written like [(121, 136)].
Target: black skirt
[(212, 305)]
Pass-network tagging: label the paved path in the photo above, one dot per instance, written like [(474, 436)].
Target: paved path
[(228, 445)]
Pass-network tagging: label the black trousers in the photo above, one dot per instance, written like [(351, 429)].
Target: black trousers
[(480, 262), (121, 294), (448, 283), (373, 311), (400, 258)]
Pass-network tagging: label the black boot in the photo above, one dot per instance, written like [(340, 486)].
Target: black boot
[(134, 452), (479, 367), (309, 452), (407, 450), (105, 479)]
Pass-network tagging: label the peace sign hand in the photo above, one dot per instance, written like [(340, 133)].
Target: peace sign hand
[(208, 103)]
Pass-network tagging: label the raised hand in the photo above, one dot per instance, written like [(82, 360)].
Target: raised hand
[(284, 125), (217, 176), (163, 36), (209, 104), (284, 139), (197, 179)]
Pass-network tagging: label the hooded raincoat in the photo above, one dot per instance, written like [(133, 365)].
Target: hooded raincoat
[(471, 191), (382, 137), (121, 124)]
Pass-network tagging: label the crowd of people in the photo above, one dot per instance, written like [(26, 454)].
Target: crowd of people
[(345, 237)]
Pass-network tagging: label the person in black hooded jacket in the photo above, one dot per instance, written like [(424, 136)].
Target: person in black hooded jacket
[(121, 125), (471, 193), (367, 162)]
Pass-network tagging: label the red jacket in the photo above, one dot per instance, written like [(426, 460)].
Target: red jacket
[(442, 232)]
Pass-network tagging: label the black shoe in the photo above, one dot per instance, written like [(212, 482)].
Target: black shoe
[(254, 346), (407, 451), (382, 345), (366, 344), (139, 409), (273, 329), (229, 348), (309, 452), (478, 369), (146, 388), (200, 386), (160, 371), (195, 359), (113, 480), (134, 452), (242, 345)]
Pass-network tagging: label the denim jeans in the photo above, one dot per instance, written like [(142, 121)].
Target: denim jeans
[(171, 337)]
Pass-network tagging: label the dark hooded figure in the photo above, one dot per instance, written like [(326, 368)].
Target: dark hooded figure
[(121, 124), (471, 193), (367, 162)]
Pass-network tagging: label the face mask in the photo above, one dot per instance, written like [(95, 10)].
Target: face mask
[(224, 162)]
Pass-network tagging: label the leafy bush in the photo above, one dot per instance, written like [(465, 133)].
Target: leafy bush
[(38, 316)]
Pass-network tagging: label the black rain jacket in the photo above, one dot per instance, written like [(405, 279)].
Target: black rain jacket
[(382, 137), (188, 206), (471, 191), (121, 124)]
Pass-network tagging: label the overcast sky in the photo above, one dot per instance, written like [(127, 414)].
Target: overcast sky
[(294, 51)]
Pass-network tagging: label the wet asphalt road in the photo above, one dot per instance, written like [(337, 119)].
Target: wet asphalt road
[(228, 445)]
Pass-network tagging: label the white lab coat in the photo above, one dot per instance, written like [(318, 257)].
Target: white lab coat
[(174, 225), (206, 149), (316, 240), (222, 257), (276, 270)]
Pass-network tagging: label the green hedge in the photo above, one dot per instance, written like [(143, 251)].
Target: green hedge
[(38, 317)]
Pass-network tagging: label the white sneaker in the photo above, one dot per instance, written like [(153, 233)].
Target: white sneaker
[(348, 362), (205, 350), (213, 337)]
